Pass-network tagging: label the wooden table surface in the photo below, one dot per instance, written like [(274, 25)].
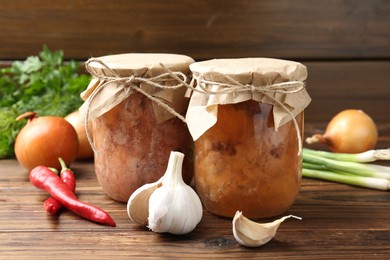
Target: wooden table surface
[(338, 222), (344, 43)]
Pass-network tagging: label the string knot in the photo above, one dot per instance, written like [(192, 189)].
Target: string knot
[(166, 81), (232, 86)]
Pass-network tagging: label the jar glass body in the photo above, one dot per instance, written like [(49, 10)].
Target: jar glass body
[(133, 148), (242, 163)]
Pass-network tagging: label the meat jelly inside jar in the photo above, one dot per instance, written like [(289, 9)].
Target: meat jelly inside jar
[(135, 108), (247, 121)]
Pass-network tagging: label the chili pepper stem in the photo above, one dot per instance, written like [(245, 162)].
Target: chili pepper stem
[(63, 165)]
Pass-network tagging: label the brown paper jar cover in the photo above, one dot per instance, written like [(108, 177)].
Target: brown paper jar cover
[(244, 159), (132, 135)]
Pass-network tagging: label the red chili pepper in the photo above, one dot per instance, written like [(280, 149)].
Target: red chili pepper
[(45, 179), (52, 205)]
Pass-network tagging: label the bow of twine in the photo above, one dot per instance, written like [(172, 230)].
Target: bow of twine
[(231, 86), (131, 84)]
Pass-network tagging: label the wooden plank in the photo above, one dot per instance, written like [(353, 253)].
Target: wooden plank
[(303, 29), (339, 221), (323, 109), (103, 245), (335, 86), (349, 79)]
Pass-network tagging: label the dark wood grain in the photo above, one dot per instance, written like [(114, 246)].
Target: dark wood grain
[(335, 86), (339, 222), (304, 29), (344, 43)]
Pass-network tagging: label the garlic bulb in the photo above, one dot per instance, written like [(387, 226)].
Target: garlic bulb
[(174, 207), (168, 205), (251, 234)]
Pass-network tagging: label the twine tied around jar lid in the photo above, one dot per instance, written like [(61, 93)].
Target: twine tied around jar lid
[(230, 86), (130, 83), (234, 87)]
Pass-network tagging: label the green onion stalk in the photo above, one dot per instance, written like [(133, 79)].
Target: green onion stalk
[(351, 169), (368, 156)]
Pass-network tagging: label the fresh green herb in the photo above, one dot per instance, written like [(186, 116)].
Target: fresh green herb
[(45, 84)]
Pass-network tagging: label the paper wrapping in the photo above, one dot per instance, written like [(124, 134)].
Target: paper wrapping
[(250, 73), (110, 93)]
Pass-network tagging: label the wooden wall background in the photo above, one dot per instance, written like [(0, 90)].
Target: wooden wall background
[(344, 43)]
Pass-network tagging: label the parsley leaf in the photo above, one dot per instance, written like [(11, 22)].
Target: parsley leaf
[(45, 84)]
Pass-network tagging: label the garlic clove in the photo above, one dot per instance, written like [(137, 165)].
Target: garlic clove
[(138, 203), (174, 207), (251, 234)]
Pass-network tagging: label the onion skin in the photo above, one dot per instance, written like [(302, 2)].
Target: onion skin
[(85, 149), (350, 131), (43, 140)]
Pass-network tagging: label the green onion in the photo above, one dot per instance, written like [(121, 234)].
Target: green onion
[(349, 169), (368, 170), (368, 156), (367, 182), (307, 165)]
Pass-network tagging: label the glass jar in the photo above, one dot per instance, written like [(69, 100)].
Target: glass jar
[(243, 164), (246, 157), (134, 137)]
